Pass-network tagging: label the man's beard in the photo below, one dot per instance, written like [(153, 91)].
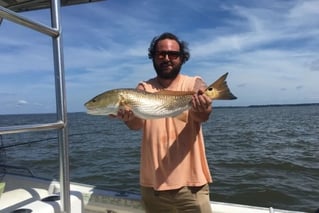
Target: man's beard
[(170, 75)]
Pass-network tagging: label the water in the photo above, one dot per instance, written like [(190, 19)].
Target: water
[(267, 156)]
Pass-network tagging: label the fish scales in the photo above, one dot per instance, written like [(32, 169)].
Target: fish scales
[(149, 105)]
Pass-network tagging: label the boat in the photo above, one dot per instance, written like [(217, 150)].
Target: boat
[(38, 195), (20, 190)]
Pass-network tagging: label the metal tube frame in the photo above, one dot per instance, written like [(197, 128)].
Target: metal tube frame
[(15, 17), (61, 110), (61, 107)]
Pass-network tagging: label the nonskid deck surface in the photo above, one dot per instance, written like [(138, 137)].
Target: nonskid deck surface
[(29, 192)]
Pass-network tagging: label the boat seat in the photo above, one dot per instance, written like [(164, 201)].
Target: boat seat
[(52, 204), (41, 202), (11, 200)]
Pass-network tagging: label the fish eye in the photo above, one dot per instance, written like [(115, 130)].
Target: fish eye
[(94, 100), (209, 89)]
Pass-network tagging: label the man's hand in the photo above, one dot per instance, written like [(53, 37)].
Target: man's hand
[(125, 115), (201, 102), (128, 117)]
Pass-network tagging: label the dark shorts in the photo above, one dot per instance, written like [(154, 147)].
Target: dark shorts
[(185, 199)]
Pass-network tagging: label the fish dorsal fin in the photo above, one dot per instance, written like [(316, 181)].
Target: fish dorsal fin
[(176, 93)]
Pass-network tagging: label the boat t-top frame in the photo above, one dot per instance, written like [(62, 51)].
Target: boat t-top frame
[(9, 9)]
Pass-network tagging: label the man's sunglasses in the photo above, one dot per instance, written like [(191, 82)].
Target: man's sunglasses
[(172, 55)]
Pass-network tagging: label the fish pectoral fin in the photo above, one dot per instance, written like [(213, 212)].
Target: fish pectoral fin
[(176, 93), (124, 105)]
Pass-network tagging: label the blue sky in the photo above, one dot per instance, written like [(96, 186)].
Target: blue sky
[(269, 47)]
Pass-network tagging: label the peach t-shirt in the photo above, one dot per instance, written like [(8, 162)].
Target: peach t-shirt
[(173, 150)]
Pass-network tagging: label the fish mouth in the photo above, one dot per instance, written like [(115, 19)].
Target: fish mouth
[(88, 105), (93, 112), (90, 109)]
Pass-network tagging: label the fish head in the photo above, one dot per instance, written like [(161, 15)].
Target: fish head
[(103, 104)]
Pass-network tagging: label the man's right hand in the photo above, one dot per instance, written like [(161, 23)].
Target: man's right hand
[(125, 115)]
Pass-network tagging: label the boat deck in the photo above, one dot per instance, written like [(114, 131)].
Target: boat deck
[(42, 195)]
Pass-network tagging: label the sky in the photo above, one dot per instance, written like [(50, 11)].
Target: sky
[(270, 48)]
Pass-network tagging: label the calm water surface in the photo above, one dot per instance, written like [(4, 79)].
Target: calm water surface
[(267, 156)]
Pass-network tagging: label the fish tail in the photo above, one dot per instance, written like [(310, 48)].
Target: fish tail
[(219, 89)]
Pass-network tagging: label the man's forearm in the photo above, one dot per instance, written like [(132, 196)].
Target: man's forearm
[(201, 116)]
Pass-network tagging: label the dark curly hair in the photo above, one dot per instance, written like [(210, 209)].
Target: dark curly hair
[(182, 45)]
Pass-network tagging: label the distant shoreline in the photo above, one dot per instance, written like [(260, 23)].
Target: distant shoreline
[(270, 105), (219, 107), (284, 105)]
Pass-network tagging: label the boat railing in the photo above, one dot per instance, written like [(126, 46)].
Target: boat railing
[(16, 168), (54, 31)]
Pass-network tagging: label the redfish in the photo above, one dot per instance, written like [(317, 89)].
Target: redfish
[(147, 105)]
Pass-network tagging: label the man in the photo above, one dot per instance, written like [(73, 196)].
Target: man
[(174, 173)]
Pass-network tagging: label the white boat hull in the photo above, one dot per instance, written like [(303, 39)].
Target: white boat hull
[(23, 192)]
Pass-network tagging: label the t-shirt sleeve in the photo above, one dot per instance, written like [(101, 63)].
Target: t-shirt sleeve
[(199, 84)]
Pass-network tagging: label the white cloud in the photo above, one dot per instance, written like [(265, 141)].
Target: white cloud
[(22, 102)]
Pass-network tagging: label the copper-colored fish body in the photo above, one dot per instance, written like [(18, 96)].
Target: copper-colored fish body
[(147, 105)]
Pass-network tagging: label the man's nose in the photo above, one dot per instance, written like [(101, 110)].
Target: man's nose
[(166, 58)]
